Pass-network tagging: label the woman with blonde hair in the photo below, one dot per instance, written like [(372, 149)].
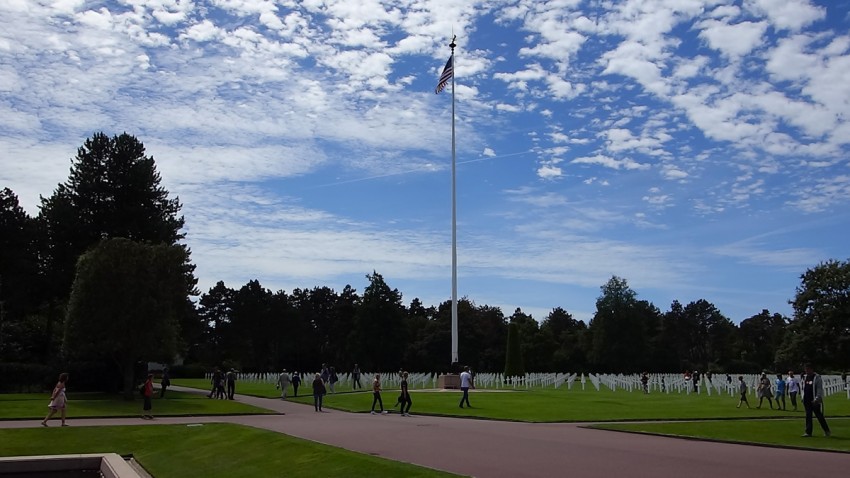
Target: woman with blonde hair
[(58, 401)]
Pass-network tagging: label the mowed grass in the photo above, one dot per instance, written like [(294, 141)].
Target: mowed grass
[(81, 405), (561, 405), (769, 432), (211, 450)]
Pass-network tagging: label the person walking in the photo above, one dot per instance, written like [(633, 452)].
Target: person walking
[(333, 378), (780, 391), (296, 382), (58, 400), (376, 394), (164, 383), (318, 392), (231, 384), (283, 381), (405, 396), (465, 384), (147, 392), (355, 378), (326, 373), (764, 391), (793, 386), (215, 380), (813, 400), (742, 387)]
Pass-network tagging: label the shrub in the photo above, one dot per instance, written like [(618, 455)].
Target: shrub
[(26, 377)]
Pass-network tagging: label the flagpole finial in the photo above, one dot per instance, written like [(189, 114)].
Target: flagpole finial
[(452, 45)]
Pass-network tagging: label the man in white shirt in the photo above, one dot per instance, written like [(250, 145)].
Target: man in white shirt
[(793, 387), (283, 384), (465, 384)]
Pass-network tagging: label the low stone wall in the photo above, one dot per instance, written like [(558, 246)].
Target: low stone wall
[(110, 465)]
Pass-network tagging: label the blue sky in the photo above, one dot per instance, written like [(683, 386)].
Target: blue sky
[(697, 148)]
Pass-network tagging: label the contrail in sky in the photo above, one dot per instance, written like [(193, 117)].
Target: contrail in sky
[(399, 173)]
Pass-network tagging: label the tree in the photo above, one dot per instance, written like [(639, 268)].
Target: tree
[(513, 357), (760, 338), (715, 335), (125, 303), (113, 191), (820, 329), (569, 338), (252, 338), (20, 286), (215, 312), (618, 332), (379, 328), (536, 349)]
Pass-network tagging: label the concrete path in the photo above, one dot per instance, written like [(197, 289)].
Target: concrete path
[(485, 448)]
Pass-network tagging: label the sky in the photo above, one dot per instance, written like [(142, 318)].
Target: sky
[(696, 148)]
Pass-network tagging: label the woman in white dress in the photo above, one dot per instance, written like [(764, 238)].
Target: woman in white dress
[(58, 401)]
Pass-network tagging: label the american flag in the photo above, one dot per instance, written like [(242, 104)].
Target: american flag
[(448, 72)]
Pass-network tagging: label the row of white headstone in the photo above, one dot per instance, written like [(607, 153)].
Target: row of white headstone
[(656, 383)]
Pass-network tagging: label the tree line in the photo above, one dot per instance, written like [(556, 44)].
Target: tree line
[(60, 302)]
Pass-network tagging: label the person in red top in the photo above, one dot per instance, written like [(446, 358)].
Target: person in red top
[(147, 391)]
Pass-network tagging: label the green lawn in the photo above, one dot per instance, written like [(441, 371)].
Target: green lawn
[(772, 432), (212, 450), (573, 406), (20, 405)]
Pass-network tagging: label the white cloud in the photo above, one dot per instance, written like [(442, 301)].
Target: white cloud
[(549, 172), (609, 162), (788, 14), (733, 40)]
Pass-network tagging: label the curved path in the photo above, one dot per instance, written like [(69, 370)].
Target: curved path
[(484, 448)]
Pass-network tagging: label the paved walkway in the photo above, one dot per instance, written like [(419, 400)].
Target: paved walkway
[(484, 448)]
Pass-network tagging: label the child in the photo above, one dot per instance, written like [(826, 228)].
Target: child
[(742, 387)]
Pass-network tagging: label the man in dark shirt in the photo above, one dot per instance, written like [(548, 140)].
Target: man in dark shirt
[(231, 383), (813, 400)]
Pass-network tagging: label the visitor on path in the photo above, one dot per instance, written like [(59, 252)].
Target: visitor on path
[(58, 400), (695, 378), (793, 386), (780, 391), (376, 394), (764, 391), (231, 384), (465, 384), (296, 382), (283, 381), (742, 387), (326, 373), (355, 378), (644, 382), (215, 380), (405, 396), (813, 400), (164, 383), (318, 392), (147, 391), (333, 378)]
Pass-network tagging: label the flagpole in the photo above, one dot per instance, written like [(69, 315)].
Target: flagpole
[(454, 217)]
